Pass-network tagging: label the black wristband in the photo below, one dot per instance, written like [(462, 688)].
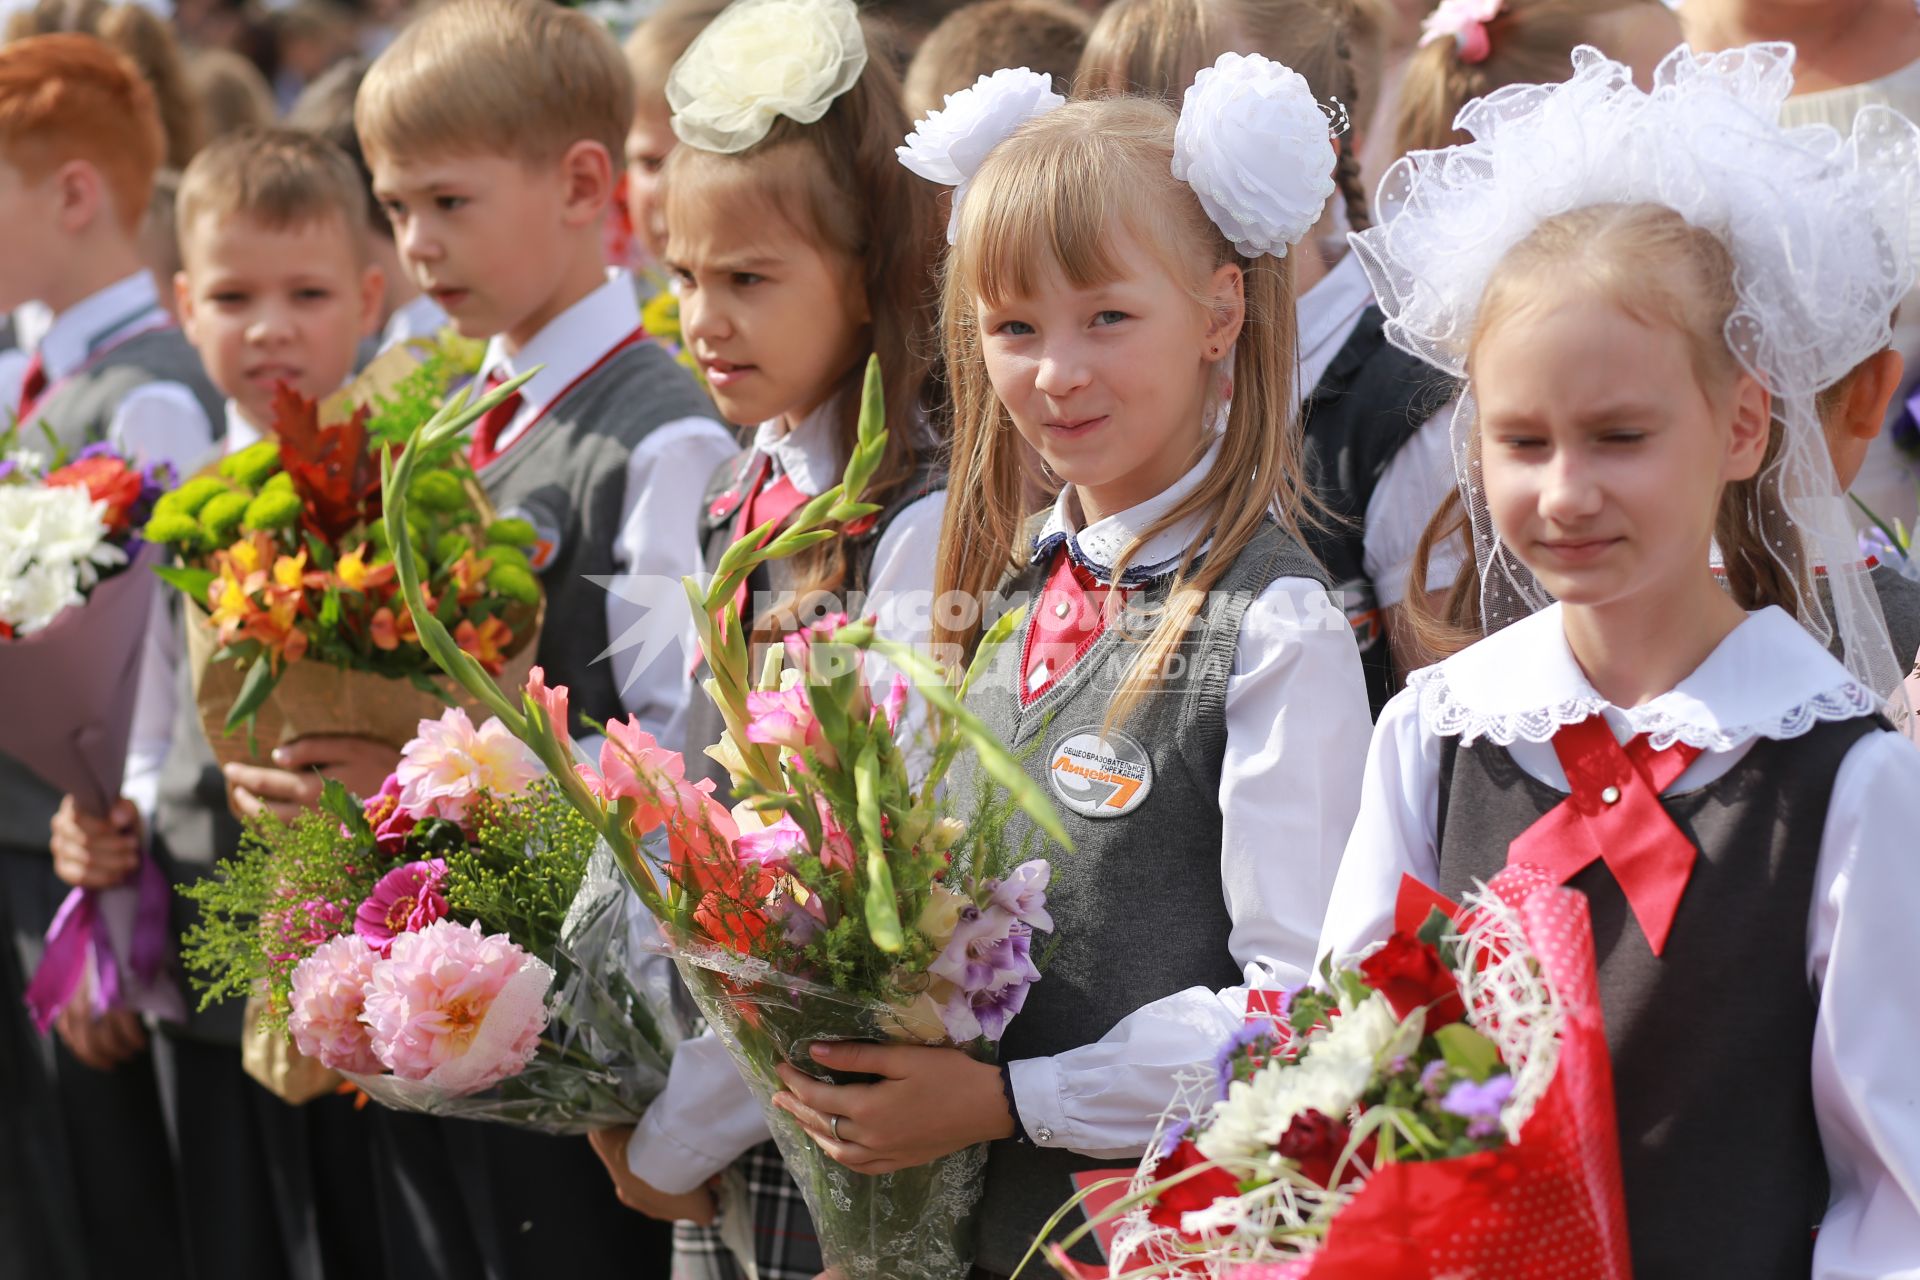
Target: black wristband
[(1013, 1109)]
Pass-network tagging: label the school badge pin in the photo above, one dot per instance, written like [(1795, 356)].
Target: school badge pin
[(1100, 775)]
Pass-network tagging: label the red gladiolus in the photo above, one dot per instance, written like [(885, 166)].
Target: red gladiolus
[(1409, 974)]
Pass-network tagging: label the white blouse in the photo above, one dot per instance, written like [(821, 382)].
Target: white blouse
[(1767, 679), (1297, 723)]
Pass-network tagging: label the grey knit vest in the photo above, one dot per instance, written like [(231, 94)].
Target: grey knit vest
[(773, 580), (568, 476), (1711, 1041), (80, 408), (1138, 904)]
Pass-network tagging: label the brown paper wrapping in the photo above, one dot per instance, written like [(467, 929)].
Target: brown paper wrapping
[(315, 697)]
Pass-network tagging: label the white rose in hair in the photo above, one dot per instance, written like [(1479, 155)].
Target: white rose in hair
[(949, 146), (761, 59), (1255, 147)]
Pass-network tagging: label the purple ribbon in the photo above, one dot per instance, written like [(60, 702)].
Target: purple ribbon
[(79, 930)]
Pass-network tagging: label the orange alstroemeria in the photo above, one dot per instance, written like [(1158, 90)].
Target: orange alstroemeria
[(355, 574), (389, 631), (486, 642), (277, 628), (470, 577)]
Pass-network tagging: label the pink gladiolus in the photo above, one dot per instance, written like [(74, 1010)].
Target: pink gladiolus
[(449, 763), (329, 991), (799, 644), (406, 900), (895, 702), (456, 1006), (635, 767), (551, 699), (783, 718), (773, 848), (836, 846)]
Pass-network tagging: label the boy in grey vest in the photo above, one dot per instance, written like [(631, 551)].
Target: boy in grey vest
[(276, 287), (496, 173)]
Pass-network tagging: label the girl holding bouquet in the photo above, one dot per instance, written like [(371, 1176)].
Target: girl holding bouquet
[(797, 246), (1647, 292), (1181, 684)]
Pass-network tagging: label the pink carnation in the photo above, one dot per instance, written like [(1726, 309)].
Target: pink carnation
[(450, 762), (329, 990), (457, 1008)]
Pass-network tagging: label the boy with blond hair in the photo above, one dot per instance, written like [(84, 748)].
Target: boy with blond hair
[(275, 287), (80, 141), (494, 130)]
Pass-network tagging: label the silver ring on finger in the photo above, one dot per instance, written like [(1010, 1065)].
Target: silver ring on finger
[(833, 1127)]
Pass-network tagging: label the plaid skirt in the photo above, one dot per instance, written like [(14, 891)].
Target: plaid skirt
[(784, 1244)]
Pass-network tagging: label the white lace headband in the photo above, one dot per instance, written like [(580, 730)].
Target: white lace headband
[(759, 60), (1252, 143)]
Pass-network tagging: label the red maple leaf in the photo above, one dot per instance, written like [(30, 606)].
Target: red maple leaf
[(336, 478)]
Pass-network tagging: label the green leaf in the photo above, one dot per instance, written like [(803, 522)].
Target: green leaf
[(261, 678), (329, 616), (338, 801), (883, 912), (1436, 926), (1467, 1051), (194, 582)]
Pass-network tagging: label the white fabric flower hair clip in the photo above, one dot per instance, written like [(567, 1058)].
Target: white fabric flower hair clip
[(949, 145), (1255, 146), (762, 59)]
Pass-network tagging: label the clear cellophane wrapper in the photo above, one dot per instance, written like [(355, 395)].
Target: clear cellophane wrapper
[(915, 1224), (613, 1022)]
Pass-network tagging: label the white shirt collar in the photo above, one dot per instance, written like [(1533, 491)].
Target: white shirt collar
[(240, 432), (1098, 547), (1767, 679), (125, 307), (1327, 314), (420, 318), (809, 453), (570, 344)]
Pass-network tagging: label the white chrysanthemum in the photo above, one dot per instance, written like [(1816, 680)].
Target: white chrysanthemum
[(1329, 1078), (1256, 148), (34, 598), (949, 146), (762, 59)]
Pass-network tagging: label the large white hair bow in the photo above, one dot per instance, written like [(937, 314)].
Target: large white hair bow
[(762, 59), (949, 145)]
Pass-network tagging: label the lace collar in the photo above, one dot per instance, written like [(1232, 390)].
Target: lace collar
[(1767, 679), (1098, 547)]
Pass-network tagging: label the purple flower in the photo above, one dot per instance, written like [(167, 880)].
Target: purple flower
[(1479, 1104), (988, 949), (968, 1016), (98, 449), (1430, 1076), (800, 922), (7, 467), (1023, 894), (1246, 1035)]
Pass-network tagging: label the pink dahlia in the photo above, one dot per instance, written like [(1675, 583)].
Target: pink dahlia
[(329, 991), (450, 762), (457, 1008), (406, 900)]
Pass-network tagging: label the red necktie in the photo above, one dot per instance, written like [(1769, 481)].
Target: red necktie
[(1069, 616), (1614, 813), (486, 435), (765, 502), (33, 385)]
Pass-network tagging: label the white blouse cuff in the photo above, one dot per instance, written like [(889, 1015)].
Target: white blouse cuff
[(1037, 1098)]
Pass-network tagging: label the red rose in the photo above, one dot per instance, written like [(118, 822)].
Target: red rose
[(1315, 1141), (1409, 974), (1197, 1192), (105, 479)]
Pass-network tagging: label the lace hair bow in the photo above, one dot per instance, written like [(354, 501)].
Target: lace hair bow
[(1465, 23), (1252, 142)]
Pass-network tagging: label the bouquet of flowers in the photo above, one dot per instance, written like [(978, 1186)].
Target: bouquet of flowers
[(297, 626), (839, 899), (75, 600), (452, 945), (1444, 1107)]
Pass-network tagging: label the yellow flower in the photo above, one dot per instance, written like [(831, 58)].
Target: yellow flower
[(247, 555), (288, 570), (941, 915)]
